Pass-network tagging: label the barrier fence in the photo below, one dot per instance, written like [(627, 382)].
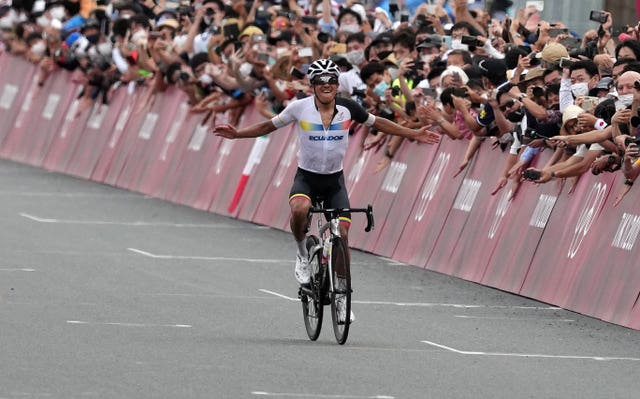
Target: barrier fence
[(577, 251)]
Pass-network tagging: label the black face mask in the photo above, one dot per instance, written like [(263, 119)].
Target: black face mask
[(93, 39), (516, 116)]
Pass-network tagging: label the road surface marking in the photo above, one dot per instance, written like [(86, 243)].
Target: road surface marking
[(529, 355), (512, 318), (427, 304), (250, 260), (128, 324), (18, 270), (134, 224), (314, 395)]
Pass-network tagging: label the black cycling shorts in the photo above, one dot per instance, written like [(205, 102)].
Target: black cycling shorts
[(327, 188)]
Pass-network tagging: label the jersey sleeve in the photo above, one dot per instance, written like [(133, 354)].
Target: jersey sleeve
[(288, 115), (358, 114)]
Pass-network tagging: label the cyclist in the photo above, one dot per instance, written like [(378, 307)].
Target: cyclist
[(322, 122)]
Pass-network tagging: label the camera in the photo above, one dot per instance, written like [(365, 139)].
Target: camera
[(358, 92), (296, 73), (395, 91), (566, 62), (598, 16), (636, 84), (404, 16), (183, 76), (386, 113), (531, 174), (309, 20), (459, 92), (635, 120), (631, 140)]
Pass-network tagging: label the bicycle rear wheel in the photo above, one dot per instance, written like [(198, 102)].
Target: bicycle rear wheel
[(312, 308), (341, 289)]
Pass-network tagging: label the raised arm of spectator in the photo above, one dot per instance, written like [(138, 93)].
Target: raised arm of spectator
[(469, 119), (326, 12), (538, 111), (605, 44), (193, 29), (461, 13), (566, 97)]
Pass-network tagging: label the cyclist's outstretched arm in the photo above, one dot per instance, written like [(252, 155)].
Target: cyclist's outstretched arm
[(255, 130), (423, 134)]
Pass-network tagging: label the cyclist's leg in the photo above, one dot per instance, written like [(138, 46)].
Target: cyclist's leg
[(300, 202)]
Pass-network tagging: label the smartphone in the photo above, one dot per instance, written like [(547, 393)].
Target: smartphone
[(259, 38), (231, 31), (305, 52), (553, 32), (571, 42), (263, 57), (429, 92), (531, 174), (447, 41), (309, 20), (598, 16), (471, 41), (155, 35), (338, 48), (589, 103), (296, 73), (565, 62), (404, 16)]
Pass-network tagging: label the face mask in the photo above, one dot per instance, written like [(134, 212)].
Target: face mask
[(516, 116), (380, 88), (426, 58), (205, 79), (394, 73), (580, 89), (355, 57), (207, 20), (43, 21), (57, 13), (439, 91), (104, 48), (457, 45), (93, 39), (624, 101), (140, 35), (39, 47), (351, 28)]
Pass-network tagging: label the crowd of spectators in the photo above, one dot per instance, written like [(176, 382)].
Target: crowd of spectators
[(521, 83)]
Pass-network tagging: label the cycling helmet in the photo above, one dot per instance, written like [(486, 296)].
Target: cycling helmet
[(322, 67)]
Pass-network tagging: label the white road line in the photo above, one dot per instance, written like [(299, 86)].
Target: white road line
[(72, 195), (216, 258), (315, 395), (129, 324), (427, 304), (512, 318), (134, 224), (18, 270), (529, 355)]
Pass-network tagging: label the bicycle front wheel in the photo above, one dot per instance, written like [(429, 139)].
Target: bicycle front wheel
[(312, 308), (341, 294)]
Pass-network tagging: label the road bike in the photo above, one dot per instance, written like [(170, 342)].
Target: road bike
[(330, 272)]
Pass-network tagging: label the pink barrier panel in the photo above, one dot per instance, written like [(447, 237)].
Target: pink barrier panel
[(486, 220), (111, 151), (607, 277), (273, 208), (46, 115), (400, 188), (196, 159), (426, 220), (17, 87), (162, 168), (156, 120), (562, 252), (259, 174), (220, 188), (95, 138)]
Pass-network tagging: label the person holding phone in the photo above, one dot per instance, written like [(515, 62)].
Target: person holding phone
[(322, 122)]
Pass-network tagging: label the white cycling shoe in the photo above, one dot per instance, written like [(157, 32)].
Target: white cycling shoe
[(302, 271), (341, 309)]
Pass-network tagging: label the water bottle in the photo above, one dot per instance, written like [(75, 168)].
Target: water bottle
[(326, 250)]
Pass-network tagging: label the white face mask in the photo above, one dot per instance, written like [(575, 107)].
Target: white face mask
[(457, 45), (624, 101), (38, 48), (355, 57), (139, 36), (43, 21), (580, 89), (394, 73), (351, 28), (57, 13), (426, 58), (205, 79)]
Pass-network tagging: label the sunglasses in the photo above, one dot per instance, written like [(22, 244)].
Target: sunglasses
[(321, 80), (507, 105)]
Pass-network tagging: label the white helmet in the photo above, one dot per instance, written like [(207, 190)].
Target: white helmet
[(322, 67)]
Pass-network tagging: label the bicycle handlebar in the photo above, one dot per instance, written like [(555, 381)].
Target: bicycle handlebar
[(335, 212)]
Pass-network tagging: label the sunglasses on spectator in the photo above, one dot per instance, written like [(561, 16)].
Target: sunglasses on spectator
[(321, 80), (507, 105)]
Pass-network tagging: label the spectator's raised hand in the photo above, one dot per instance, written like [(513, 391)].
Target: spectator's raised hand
[(427, 136), (586, 121), (622, 116)]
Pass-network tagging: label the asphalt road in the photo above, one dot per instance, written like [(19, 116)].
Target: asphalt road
[(110, 294)]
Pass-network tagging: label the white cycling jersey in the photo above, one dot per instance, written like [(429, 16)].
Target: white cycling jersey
[(322, 150)]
